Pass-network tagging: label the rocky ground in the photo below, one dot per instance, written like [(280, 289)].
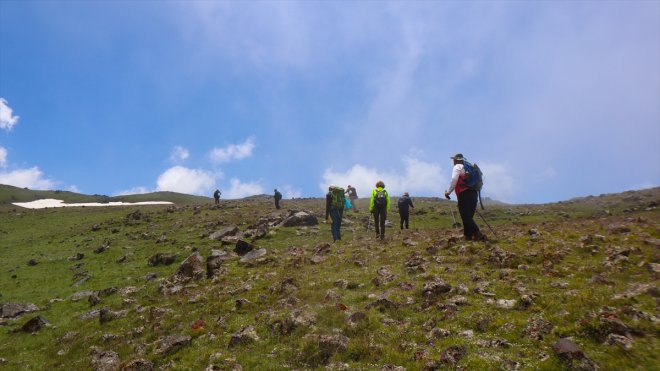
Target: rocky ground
[(570, 285)]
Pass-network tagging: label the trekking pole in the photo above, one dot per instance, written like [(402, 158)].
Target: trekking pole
[(455, 225), (489, 227)]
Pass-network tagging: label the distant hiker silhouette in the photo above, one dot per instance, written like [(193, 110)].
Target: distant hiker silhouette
[(378, 205), (405, 202), (216, 196), (467, 198), (334, 207), (278, 197), (352, 196)]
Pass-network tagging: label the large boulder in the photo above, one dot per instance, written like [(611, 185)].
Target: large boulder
[(300, 218)]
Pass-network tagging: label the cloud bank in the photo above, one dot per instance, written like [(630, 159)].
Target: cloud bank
[(233, 151)]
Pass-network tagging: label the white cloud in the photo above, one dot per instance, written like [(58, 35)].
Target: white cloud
[(233, 151), (179, 154), (417, 177), (3, 157), (499, 183), (7, 119), (239, 189), (26, 178), (184, 180), (134, 191), (289, 192)]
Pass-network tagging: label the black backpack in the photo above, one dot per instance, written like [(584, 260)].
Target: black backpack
[(380, 199)]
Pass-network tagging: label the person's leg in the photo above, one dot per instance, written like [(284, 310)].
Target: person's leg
[(463, 210), (472, 200), (383, 216), (401, 219), (377, 220), (336, 222), (406, 218)]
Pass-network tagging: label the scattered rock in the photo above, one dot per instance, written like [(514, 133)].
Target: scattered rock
[(567, 350), (164, 259), (244, 336), (435, 288), (104, 360), (537, 328), (453, 354), (32, 262), (78, 256), (243, 247), (11, 310), (191, 268), (623, 341), (224, 232), (138, 365), (300, 218), (35, 324), (253, 256), (170, 344)]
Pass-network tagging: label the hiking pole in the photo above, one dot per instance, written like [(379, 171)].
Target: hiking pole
[(455, 225), (489, 227)]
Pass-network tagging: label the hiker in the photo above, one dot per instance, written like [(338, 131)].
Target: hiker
[(216, 196), (352, 196), (404, 203), (467, 199), (378, 205), (278, 197), (334, 207)]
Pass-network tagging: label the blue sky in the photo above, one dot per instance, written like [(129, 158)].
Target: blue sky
[(553, 99)]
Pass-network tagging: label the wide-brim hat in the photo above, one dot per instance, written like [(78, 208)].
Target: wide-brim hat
[(458, 157)]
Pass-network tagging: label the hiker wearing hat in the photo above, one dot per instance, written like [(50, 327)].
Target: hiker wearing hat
[(467, 199), (334, 208), (352, 196), (405, 202), (378, 205)]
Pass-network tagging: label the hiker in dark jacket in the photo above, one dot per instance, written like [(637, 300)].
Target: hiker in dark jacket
[(335, 210), (278, 197), (404, 203), (216, 196), (467, 199), (378, 205)]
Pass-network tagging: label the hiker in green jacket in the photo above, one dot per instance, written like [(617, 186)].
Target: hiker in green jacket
[(378, 205)]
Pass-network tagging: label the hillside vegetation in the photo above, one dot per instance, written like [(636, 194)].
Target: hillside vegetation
[(10, 194), (569, 285)]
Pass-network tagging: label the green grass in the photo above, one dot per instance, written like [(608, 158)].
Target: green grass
[(555, 268)]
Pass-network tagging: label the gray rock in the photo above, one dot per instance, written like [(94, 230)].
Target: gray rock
[(300, 218), (243, 247), (244, 336), (435, 288), (138, 365), (567, 350), (224, 232), (191, 268), (104, 360), (164, 259), (170, 344), (253, 256), (11, 310), (35, 324)]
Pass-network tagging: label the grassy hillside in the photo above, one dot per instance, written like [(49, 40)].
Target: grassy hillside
[(585, 269), (10, 194)]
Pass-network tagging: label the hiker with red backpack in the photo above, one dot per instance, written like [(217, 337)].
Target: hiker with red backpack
[(334, 207), (378, 206), (466, 182)]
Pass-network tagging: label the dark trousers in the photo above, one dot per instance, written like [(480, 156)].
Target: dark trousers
[(467, 206), (379, 221), (404, 216), (277, 203), (335, 228)]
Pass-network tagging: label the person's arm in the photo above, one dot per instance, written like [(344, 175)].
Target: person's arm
[(410, 202), (387, 195), (328, 201), (371, 201), (456, 172)]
